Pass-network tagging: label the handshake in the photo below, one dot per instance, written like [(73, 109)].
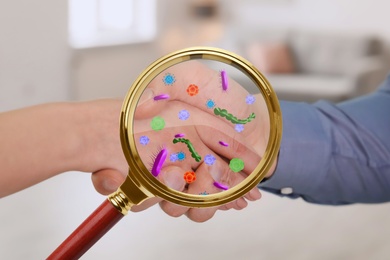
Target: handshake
[(200, 132)]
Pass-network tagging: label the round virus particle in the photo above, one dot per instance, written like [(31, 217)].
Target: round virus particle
[(236, 165), (184, 114), (181, 156), (189, 177), (210, 103), (169, 79), (157, 123), (209, 159), (144, 140), (192, 90), (250, 99), (239, 127), (173, 157)]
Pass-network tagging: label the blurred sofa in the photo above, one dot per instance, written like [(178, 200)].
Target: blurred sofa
[(307, 66)]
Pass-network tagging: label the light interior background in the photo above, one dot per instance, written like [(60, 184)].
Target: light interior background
[(37, 65)]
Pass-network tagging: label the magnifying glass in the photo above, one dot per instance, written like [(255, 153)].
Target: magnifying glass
[(203, 116)]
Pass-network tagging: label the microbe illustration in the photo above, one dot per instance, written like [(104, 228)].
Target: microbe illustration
[(173, 157), (190, 147), (159, 161), (239, 127), (209, 159), (204, 193), (169, 79), (210, 103), (161, 97), (250, 99), (181, 156), (221, 186), (189, 177), (144, 140), (179, 135), (224, 113), (184, 114), (192, 90), (236, 164), (223, 143), (157, 123), (224, 78)]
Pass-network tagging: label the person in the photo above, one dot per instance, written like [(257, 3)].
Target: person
[(42, 141), (330, 153)]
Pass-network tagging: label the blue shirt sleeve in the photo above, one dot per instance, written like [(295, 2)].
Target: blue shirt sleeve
[(335, 153)]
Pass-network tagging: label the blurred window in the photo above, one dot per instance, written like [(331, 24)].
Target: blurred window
[(94, 23)]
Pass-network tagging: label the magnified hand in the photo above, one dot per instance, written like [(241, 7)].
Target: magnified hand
[(188, 128)]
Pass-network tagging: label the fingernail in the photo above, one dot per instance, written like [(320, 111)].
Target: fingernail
[(110, 185), (174, 180), (146, 95)]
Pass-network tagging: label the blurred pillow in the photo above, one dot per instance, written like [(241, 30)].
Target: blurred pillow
[(271, 57)]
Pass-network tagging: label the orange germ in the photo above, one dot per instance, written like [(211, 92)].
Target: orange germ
[(192, 90), (189, 177)]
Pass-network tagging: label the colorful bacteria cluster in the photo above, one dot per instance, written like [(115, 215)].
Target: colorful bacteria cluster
[(158, 123)]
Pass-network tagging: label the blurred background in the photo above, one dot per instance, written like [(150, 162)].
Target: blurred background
[(73, 50)]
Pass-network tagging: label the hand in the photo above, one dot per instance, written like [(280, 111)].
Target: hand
[(158, 98)]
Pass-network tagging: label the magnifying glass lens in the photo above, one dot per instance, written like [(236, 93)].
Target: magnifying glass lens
[(201, 127)]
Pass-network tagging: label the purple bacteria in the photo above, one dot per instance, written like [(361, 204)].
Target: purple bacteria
[(179, 135), (223, 143), (161, 97), (221, 186), (225, 83), (159, 161)]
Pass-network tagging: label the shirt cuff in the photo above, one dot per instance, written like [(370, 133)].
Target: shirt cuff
[(304, 152)]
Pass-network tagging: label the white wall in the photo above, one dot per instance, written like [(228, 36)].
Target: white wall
[(34, 54), (354, 16)]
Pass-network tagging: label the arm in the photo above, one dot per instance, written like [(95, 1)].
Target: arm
[(336, 154), (42, 141)]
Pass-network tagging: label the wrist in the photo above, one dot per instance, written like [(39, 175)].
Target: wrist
[(98, 129)]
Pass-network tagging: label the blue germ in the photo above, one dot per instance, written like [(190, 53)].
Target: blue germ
[(250, 99), (209, 159), (204, 193), (210, 103), (173, 157), (181, 156), (184, 114), (144, 140), (239, 127), (169, 79)]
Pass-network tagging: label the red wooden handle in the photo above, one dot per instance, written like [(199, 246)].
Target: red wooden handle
[(88, 233)]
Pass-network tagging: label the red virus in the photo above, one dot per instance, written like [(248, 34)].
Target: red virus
[(189, 177), (192, 90)]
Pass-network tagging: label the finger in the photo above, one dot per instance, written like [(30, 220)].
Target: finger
[(253, 195), (146, 204), (172, 177), (107, 181)]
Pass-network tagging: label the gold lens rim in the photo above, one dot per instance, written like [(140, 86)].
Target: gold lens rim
[(138, 171)]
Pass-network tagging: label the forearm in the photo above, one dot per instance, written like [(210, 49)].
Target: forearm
[(42, 141)]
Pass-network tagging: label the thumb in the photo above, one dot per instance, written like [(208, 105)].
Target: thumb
[(107, 181)]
